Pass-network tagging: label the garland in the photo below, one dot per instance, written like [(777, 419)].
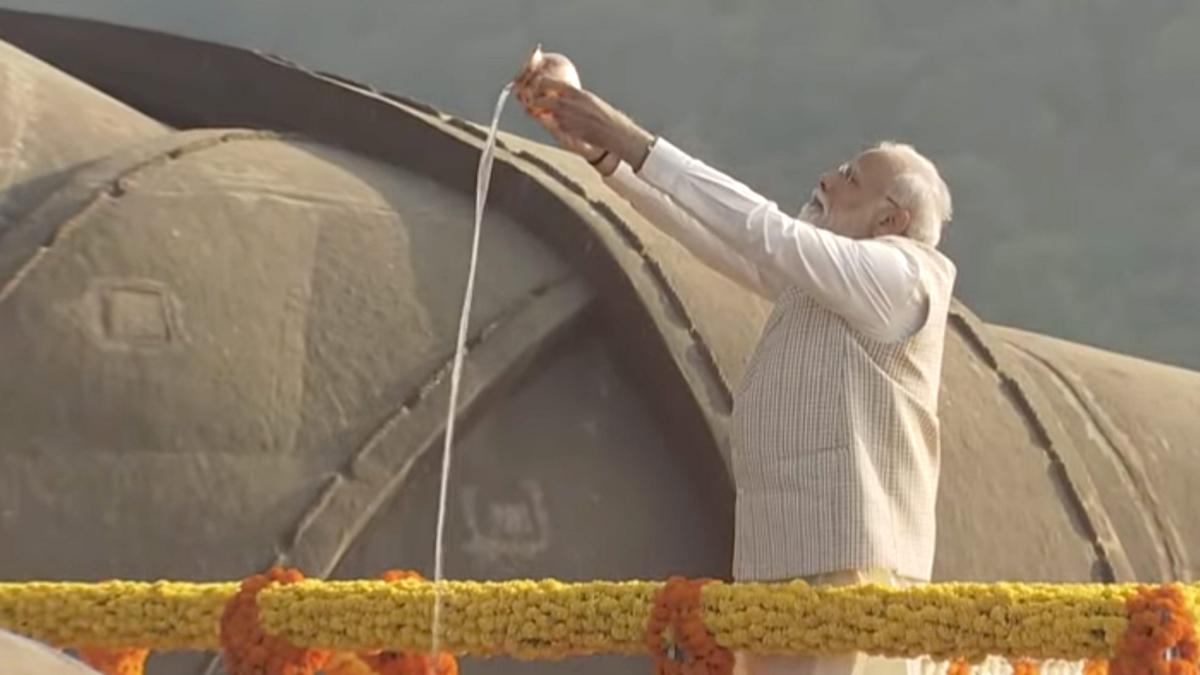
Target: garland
[(1024, 667), (1160, 638), (128, 661), (390, 662), (122, 661), (553, 620), (959, 667), (676, 636), (250, 650), (347, 663)]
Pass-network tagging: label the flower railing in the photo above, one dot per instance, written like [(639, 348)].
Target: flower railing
[(280, 623)]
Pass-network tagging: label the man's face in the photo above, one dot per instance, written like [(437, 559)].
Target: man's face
[(852, 199)]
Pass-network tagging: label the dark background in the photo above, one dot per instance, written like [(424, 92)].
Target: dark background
[(1066, 129)]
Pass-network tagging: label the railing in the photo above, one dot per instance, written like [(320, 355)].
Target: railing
[(280, 618)]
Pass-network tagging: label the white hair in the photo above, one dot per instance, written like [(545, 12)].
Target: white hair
[(922, 191)]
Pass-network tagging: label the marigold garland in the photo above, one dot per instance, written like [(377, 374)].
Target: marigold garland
[(109, 661), (1160, 637), (959, 667), (552, 620), (347, 663), (1095, 667), (128, 661), (677, 637), (1024, 667), (248, 649), (388, 662)]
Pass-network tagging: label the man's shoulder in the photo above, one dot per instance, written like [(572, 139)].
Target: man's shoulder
[(928, 259)]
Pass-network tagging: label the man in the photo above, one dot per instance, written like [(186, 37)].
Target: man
[(835, 441)]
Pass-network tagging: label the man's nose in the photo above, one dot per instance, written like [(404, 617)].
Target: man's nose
[(826, 183)]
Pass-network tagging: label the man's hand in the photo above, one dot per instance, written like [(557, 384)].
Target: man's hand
[(586, 150), (541, 66), (603, 161), (582, 115)]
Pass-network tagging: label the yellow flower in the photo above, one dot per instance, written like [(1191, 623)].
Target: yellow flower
[(550, 619)]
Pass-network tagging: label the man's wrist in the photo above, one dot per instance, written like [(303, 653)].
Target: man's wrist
[(607, 165), (635, 146), (644, 147)]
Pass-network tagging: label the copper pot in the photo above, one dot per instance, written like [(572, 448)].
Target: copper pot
[(549, 65)]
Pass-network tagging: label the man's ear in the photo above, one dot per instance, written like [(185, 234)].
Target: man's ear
[(895, 221)]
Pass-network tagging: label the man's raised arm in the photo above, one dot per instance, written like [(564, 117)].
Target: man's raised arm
[(872, 284), (677, 223)]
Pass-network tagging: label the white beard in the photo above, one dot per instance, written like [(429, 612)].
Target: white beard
[(853, 225), (814, 214)]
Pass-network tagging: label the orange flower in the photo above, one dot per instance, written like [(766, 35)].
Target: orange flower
[(130, 661), (404, 663), (676, 636), (1160, 638), (400, 575), (959, 667), (248, 649), (1024, 667), (347, 663)]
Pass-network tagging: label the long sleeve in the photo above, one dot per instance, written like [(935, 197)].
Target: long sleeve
[(681, 226), (872, 283)]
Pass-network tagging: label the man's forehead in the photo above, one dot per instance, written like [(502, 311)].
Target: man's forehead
[(881, 162)]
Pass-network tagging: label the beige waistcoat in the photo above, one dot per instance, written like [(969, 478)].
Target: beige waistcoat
[(835, 440)]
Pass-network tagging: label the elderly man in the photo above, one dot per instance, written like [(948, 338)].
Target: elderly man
[(835, 444)]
